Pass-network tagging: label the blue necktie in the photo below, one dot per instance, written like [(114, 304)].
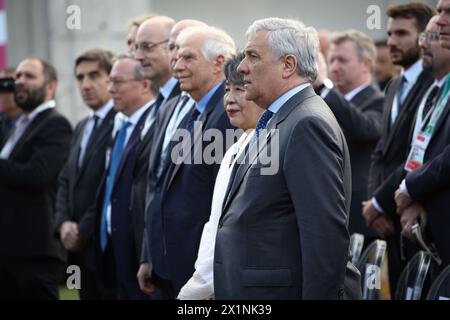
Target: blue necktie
[(400, 90), (262, 123), (114, 164)]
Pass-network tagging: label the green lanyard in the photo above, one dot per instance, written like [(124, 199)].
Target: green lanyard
[(439, 108), (446, 88)]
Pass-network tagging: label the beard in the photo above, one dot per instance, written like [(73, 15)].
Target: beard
[(29, 99), (409, 57)]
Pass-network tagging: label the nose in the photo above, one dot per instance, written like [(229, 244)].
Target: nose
[(85, 83), (179, 66), (229, 98), (111, 88), (19, 80), (391, 41), (242, 67), (138, 55), (333, 66), (441, 21)]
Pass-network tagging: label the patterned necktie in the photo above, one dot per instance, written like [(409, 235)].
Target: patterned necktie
[(430, 102), (193, 117), (114, 165), (262, 123)]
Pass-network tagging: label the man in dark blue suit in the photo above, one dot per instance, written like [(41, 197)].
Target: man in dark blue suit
[(181, 205), (117, 241)]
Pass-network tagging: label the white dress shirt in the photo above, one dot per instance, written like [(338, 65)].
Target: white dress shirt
[(133, 119), (411, 75), (201, 285), (101, 114)]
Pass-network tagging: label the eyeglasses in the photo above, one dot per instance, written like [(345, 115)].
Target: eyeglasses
[(428, 37), (119, 82), (148, 46)]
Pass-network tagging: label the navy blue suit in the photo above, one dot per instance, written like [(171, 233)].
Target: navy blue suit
[(122, 241), (181, 206)]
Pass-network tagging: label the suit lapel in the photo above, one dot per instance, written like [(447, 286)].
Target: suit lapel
[(442, 119), (104, 130), (409, 102), (212, 105), (32, 129)]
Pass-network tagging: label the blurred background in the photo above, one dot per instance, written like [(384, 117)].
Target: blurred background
[(45, 28)]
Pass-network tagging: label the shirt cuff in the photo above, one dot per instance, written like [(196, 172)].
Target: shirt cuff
[(404, 188), (377, 205), (325, 91)]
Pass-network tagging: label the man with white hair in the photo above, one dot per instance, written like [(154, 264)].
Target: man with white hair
[(181, 204), (283, 235)]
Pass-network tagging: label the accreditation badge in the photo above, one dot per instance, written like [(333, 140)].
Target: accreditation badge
[(417, 153)]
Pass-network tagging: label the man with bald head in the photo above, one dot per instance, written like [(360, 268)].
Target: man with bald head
[(31, 264), (182, 201), (151, 51)]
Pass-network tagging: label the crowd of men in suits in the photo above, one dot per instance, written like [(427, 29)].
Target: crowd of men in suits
[(143, 219)]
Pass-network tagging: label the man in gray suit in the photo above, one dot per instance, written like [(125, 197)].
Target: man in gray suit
[(283, 234)]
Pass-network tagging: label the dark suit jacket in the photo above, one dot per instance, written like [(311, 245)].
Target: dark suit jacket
[(140, 172), (139, 187), (393, 146), (75, 200), (361, 122), (122, 229), (181, 206), (431, 185), (28, 182), (284, 235)]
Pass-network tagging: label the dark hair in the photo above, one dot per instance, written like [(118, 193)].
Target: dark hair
[(421, 12), (230, 68), (48, 70), (102, 56), (381, 43)]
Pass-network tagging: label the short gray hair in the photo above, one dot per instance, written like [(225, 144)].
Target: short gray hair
[(217, 42), (288, 36), (138, 70), (365, 46)]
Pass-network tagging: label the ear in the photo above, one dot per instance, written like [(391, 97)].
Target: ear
[(289, 66), (219, 61), (368, 64), (51, 89)]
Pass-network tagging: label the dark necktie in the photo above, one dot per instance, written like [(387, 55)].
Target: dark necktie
[(400, 90), (431, 101), (193, 117), (88, 142)]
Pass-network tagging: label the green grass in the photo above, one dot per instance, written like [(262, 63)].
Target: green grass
[(66, 294)]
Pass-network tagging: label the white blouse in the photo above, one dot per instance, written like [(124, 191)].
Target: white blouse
[(201, 285)]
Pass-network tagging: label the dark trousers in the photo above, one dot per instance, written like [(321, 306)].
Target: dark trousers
[(164, 288), (30, 278), (91, 286)]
